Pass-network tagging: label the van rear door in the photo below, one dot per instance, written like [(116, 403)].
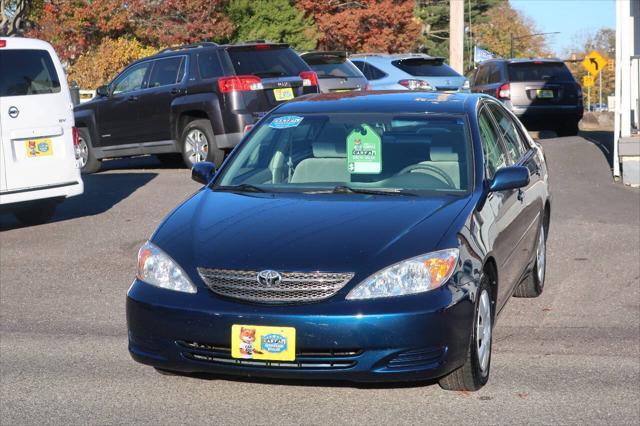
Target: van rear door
[(36, 113)]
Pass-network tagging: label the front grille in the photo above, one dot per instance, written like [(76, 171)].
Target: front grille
[(294, 287), (316, 359), (417, 357)]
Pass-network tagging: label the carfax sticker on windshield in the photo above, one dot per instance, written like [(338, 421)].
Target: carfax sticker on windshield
[(285, 122), (364, 151)]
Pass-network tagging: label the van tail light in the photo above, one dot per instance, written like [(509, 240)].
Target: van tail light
[(415, 84), (309, 78), (504, 91), (76, 142), (239, 83)]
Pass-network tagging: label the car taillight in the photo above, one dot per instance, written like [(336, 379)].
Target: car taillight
[(504, 91), (367, 87), (3, 43), (415, 84), (309, 78), (247, 128), (76, 142), (239, 83), (262, 46)]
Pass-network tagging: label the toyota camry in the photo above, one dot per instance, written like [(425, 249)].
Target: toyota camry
[(352, 236)]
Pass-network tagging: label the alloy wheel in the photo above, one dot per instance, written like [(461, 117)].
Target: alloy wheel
[(541, 257), (83, 150), (483, 331), (196, 146)]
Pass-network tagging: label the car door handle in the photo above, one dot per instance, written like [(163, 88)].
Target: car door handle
[(176, 91), (520, 195), (132, 98)]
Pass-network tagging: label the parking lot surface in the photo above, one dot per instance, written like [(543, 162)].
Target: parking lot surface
[(571, 356)]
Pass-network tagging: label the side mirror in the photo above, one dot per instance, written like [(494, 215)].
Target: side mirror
[(102, 91), (203, 172), (509, 178)]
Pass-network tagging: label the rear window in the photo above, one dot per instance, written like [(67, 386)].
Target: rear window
[(425, 67), (531, 71), (328, 66), (267, 62), (27, 72)]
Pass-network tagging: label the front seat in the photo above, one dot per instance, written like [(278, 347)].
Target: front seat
[(445, 159), (328, 164)]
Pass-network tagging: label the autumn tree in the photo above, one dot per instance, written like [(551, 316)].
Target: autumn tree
[(495, 34), (275, 20), (100, 64), (365, 25)]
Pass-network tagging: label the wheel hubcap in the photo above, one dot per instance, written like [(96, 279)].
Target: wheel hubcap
[(83, 150), (196, 146), (541, 256), (483, 330)]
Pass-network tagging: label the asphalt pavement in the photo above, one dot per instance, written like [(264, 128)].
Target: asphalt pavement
[(571, 356)]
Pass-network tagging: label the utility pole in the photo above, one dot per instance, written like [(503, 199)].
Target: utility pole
[(456, 35), (601, 89)]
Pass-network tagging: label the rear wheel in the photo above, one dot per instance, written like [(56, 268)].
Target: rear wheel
[(36, 212), (88, 161), (475, 372), (533, 285), (198, 144)]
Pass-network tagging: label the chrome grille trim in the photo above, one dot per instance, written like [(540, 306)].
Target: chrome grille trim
[(294, 287)]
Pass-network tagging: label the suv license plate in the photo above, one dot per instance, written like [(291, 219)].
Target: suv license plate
[(283, 94), (544, 94), (263, 342), (38, 147)]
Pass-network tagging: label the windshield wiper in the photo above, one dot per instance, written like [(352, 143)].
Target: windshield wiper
[(243, 187), (345, 189)]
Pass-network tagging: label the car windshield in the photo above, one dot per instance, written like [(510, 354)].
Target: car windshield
[(539, 71), (382, 153), (268, 62), (331, 66), (27, 72)]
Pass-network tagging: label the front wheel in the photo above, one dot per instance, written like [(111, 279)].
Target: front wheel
[(198, 144), (475, 372)]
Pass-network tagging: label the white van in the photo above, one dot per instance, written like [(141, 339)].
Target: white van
[(38, 140)]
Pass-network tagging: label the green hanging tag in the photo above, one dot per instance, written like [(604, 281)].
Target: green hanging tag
[(364, 151)]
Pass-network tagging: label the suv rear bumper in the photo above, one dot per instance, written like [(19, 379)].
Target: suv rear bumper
[(542, 111)]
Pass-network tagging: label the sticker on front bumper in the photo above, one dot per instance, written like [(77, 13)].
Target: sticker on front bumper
[(263, 342)]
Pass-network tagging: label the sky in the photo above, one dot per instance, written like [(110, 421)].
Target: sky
[(570, 17)]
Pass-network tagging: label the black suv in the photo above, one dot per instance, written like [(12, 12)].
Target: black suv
[(542, 93), (193, 102)]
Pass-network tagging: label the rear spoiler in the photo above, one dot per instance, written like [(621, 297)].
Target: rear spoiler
[(257, 45), (318, 54), (434, 60)]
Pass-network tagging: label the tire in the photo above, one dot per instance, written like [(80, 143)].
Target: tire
[(474, 373), (171, 160), (569, 128), (88, 161), (198, 144), (36, 212), (533, 285)]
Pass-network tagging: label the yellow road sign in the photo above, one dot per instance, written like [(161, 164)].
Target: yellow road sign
[(594, 62), (587, 81)]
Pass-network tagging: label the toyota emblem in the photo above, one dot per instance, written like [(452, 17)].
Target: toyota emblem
[(13, 112), (269, 278)]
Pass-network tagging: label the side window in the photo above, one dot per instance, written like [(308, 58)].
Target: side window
[(494, 74), (132, 79), (513, 141), (209, 65), (369, 71), (166, 72), (494, 155), (481, 75)]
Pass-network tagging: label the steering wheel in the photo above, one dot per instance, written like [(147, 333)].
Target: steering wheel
[(439, 173)]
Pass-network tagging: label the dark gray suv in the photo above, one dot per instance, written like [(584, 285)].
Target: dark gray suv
[(542, 93)]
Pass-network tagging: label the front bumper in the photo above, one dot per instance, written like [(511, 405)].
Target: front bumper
[(407, 338)]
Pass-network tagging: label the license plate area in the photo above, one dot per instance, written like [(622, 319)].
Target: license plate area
[(263, 342), (283, 94), (544, 94), (38, 148)]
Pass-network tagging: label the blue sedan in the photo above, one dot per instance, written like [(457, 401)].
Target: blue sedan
[(352, 236)]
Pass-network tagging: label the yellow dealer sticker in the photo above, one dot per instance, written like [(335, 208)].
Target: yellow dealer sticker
[(263, 342), (38, 147)]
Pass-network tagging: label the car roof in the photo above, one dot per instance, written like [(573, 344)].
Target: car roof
[(25, 43), (384, 102), (393, 56), (523, 60)]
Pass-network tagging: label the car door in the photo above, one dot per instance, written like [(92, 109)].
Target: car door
[(164, 84), (503, 207), (118, 115), (531, 197)]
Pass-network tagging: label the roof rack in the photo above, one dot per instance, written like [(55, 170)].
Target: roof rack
[(189, 46)]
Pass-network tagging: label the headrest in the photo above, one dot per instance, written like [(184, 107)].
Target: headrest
[(443, 153), (329, 149)]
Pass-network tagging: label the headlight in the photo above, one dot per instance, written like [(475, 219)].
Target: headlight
[(415, 275), (155, 267)]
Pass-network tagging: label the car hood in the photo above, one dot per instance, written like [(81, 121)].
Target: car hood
[(298, 232)]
